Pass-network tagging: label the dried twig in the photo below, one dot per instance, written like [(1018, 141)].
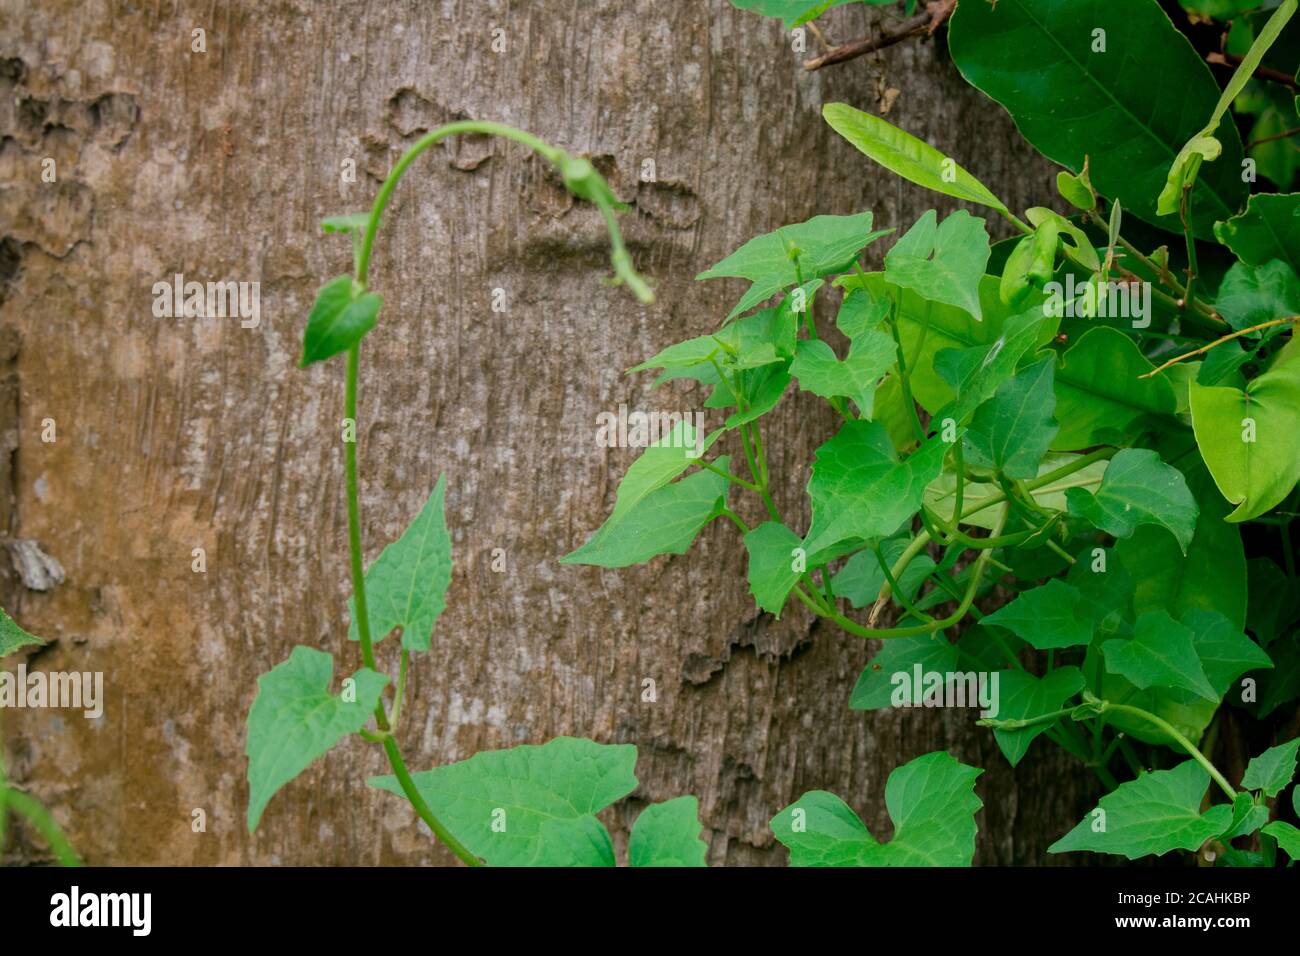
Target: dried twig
[(936, 13), (1263, 72), (1219, 341)]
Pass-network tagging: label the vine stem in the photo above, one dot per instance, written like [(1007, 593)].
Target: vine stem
[(361, 276), (1181, 740), (424, 142), (363, 626)]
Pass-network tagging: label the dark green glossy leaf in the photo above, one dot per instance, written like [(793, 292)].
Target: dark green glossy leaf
[(1071, 97)]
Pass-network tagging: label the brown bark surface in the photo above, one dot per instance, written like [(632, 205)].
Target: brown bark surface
[(174, 434)]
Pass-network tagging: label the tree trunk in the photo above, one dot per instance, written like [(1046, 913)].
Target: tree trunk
[(176, 434)]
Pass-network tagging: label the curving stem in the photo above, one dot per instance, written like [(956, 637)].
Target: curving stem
[(581, 179)]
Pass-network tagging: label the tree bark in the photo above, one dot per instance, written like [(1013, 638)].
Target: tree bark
[(176, 434)]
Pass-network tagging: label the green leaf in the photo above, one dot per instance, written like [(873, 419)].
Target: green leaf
[(1272, 770), (1247, 438), (793, 12), (1100, 398), (407, 585), (1250, 295), (889, 679), (1076, 190), (12, 637), (498, 801), (1282, 684), (339, 320), (944, 261), (860, 312), (660, 463), (1012, 431), (296, 719), (1156, 813), (1287, 836), (1225, 652), (665, 521), (351, 222), (1274, 602), (1161, 653), (1023, 696), (902, 153), (1268, 229), (819, 371), (977, 373), (1072, 101), (1138, 488), (1203, 143), (927, 328), (822, 246), (772, 557), (1247, 817), (930, 800), (668, 834), (762, 389), (573, 842), (1047, 617), (860, 489), (1212, 574)]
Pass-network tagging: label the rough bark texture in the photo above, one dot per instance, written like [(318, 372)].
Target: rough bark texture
[(174, 434)]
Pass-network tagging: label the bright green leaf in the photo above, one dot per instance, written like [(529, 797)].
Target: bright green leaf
[(1138, 488), (819, 371), (890, 678), (295, 719), (822, 246), (1012, 431), (665, 521), (1100, 398), (1248, 438), (773, 556), (792, 12), (668, 834), (406, 587), (1158, 812), (902, 153), (1272, 770), (859, 488), (942, 261), (930, 800), (1287, 836), (498, 801), (12, 637)]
